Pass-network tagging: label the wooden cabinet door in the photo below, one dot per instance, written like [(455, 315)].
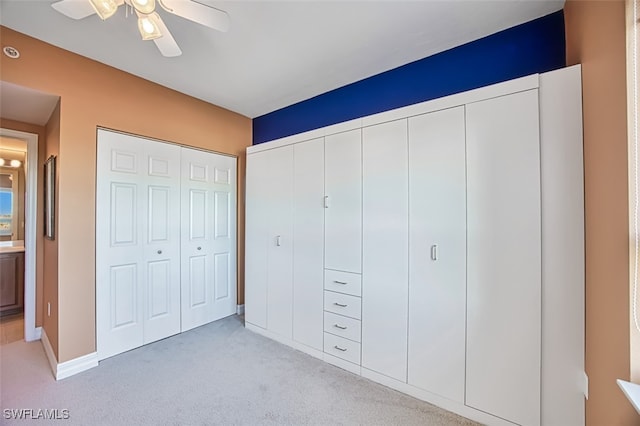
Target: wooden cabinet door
[(437, 253), (308, 241), (343, 203), (385, 249), (504, 257), (269, 244)]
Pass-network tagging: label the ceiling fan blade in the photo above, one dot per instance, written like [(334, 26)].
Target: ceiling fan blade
[(198, 12), (166, 44), (77, 9), (74, 9)]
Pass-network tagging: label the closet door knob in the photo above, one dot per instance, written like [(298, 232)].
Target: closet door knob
[(199, 248), (159, 251)]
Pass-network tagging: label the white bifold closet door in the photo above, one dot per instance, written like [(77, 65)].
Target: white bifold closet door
[(385, 248), (504, 257), (137, 242), (165, 240), (437, 253), (208, 239)]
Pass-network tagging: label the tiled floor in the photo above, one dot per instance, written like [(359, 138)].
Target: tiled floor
[(11, 328)]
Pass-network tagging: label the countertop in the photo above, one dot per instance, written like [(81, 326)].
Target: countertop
[(12, 246)]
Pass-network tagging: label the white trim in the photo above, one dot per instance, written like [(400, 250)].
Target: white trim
[(437, 400), (48, 350), (31, 333), (77, 365), (68, 368), (457, 99), (240, 309)]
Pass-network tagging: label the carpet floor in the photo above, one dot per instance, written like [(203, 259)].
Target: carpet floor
[(217, 374)]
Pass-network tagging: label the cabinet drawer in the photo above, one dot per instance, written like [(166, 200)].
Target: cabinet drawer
[(342, 304), (343, 282), (342, 326), (342, 348)]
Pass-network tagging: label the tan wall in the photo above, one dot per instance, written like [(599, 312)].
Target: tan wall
[(40, 131), (595, 34), (93, 95), (51, 323)]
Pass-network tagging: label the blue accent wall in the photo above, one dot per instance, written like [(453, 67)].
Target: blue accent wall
[(533, 47)]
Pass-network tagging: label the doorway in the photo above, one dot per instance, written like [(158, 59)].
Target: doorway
[(20, 228)]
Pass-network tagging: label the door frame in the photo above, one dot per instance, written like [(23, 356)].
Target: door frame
[(31, 332)]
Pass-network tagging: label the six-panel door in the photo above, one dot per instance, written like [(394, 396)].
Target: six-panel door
[(208, 243), (137, 242)]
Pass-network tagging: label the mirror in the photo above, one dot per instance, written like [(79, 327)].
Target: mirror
[(12, 195)]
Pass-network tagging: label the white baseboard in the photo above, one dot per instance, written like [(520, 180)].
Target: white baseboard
[(33, 334), (48, 350), (68, 368), (240, 309)]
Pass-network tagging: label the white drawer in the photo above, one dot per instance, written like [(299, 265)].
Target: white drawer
[(342, 304), (342, 348), (343, 282), (342, 326)]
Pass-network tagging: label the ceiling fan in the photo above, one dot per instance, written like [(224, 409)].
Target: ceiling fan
[(150, 24)]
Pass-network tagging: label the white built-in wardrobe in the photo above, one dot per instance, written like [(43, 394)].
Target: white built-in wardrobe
[(165, 240), (436, 249)]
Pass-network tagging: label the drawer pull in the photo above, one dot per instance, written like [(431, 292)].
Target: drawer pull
[(340, 349), (340, 304), (340, 282), (341, 327)]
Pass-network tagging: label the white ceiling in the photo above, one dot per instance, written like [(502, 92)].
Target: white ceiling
[(277, 52)]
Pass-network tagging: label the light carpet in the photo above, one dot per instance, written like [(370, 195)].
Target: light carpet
[(217, 374)]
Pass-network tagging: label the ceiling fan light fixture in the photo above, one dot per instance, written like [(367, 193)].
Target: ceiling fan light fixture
[(148, 28), (144, 6), (104, 8)]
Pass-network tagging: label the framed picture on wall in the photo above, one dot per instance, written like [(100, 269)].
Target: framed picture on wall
[(49, 197)]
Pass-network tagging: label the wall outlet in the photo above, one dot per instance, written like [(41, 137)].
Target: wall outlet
[(48, 309)]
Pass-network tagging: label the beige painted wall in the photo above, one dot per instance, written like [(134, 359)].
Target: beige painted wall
[(93, 95), (595, 34), (51, 316)]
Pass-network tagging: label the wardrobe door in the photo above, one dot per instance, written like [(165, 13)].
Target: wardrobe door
[(308, 241), (343, 202), (504, 257), (280, 242), (437, 253), (385, 246), (257, 201)]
